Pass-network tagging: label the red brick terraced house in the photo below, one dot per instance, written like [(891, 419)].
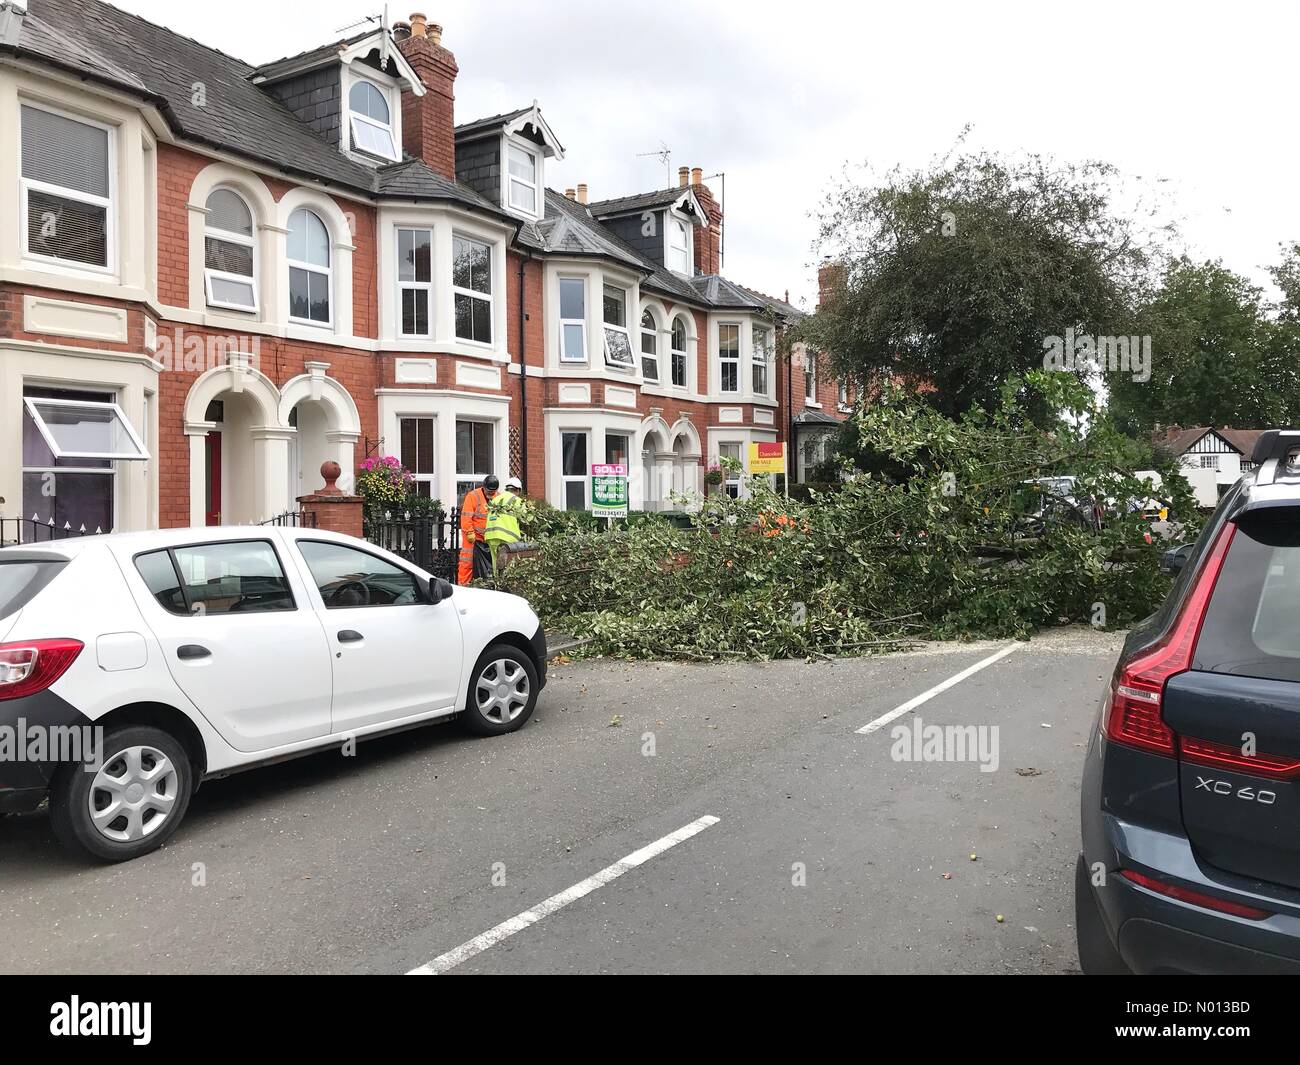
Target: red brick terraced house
[(214, 277)]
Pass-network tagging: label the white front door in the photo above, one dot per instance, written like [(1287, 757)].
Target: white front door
[(240, 638), (393, 655)]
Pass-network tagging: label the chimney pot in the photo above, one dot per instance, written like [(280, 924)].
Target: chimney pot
[(683, 176), (419, 25), (697, 176), (582, 192), (401, 31), (570, 194), (435, 33)]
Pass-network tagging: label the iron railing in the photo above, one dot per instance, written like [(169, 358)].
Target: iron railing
[(430, 541), (15, 531), (293, 519)]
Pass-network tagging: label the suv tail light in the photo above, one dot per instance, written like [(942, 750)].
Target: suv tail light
[(1133, 715), (31, 666)]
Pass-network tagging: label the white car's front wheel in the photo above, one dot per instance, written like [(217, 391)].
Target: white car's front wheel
[(130, 802), (502, 691)]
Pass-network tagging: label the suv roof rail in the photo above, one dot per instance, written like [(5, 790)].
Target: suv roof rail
[(1272, 450)]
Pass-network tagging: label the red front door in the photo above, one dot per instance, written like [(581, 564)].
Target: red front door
[(212, 463)]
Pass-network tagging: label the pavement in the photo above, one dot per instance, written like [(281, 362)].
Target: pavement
[(587, 841)]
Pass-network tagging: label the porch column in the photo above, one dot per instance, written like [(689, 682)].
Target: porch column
[(271, 470), (343, 447), (197, 434)]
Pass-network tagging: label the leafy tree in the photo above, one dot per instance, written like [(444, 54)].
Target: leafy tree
[(1217, 356), (956, 275)]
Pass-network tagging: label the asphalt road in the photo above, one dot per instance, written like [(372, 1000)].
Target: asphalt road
[(828, 854)]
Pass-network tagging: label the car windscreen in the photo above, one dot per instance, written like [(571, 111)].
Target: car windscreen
[(22, 579), (1252, 626)]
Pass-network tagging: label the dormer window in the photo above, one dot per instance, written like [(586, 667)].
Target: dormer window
[(371, 120), (523, 179), (679, 247)]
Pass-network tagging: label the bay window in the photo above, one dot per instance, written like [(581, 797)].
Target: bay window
[(574, 473), (679, 353), (229, 254), (618, 345), (311, 275), (371, 121), (649, 347), (729, 357), (471, 283), (67, 189), (72, 442), (573, 319), (475, 447), (417, 453), (760, 353), (415, 282)]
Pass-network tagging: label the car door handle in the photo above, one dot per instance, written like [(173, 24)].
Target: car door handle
[(350, 636), (188, 651)]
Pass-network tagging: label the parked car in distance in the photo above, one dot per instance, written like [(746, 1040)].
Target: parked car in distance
[(1191, 786), (196, 653)]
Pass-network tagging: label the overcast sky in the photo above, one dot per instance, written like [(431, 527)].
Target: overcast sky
[(781, 96)]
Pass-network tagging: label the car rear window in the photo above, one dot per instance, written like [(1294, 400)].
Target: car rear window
[(1252, 626), (21, 581)]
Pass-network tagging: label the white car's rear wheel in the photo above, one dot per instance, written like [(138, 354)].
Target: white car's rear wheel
[(502, 691), (128, 804)]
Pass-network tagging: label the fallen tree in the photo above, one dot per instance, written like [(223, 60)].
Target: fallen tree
[(960, 538)]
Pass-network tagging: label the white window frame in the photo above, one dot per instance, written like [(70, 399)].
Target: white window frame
[(427, 287), (392, 128), (312, 268), (476, 476), (231, 238), (653, 332), (732, 480), (673, 222), (140, 454), (724, 360), (518, 144), (489, 296), (810, 379), (580, 322), (624, 329), (27, 185), (844, 394), (566, 478), (431, 479), (682, 351), (765, 362), (1209, 462)]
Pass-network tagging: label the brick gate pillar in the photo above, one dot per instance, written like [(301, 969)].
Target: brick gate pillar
[(333, 509)]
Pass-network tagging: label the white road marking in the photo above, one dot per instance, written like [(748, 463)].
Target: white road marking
[(508, 928), (938, 689)]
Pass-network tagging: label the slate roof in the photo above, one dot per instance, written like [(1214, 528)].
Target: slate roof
[(720, 292), (484, 125), (642, 201), (306, 60), (114, 46)]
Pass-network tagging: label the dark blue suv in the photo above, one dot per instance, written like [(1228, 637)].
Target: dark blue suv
[(1191, 788)]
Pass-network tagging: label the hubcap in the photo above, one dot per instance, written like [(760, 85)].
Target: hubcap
[(133, 794), (502, 690)]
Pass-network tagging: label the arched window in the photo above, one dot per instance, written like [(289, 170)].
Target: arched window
[(310, 273), (679, 247), (649, 347), (679, 353), (229, 254), (371, 120)]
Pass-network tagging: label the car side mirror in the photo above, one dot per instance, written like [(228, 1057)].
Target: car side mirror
[(1175, 559), (435, 590)]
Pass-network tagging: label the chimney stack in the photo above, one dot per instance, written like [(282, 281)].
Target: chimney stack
[(683, 176), (582, 192), (429, 121), (708, 239)]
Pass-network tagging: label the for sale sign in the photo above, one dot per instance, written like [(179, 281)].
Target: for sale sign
[(767, 458), (609, 490)]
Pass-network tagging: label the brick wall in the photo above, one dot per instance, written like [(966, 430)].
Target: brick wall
[(428, 121)]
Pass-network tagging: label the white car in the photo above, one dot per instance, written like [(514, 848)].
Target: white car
[(135, 665)]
